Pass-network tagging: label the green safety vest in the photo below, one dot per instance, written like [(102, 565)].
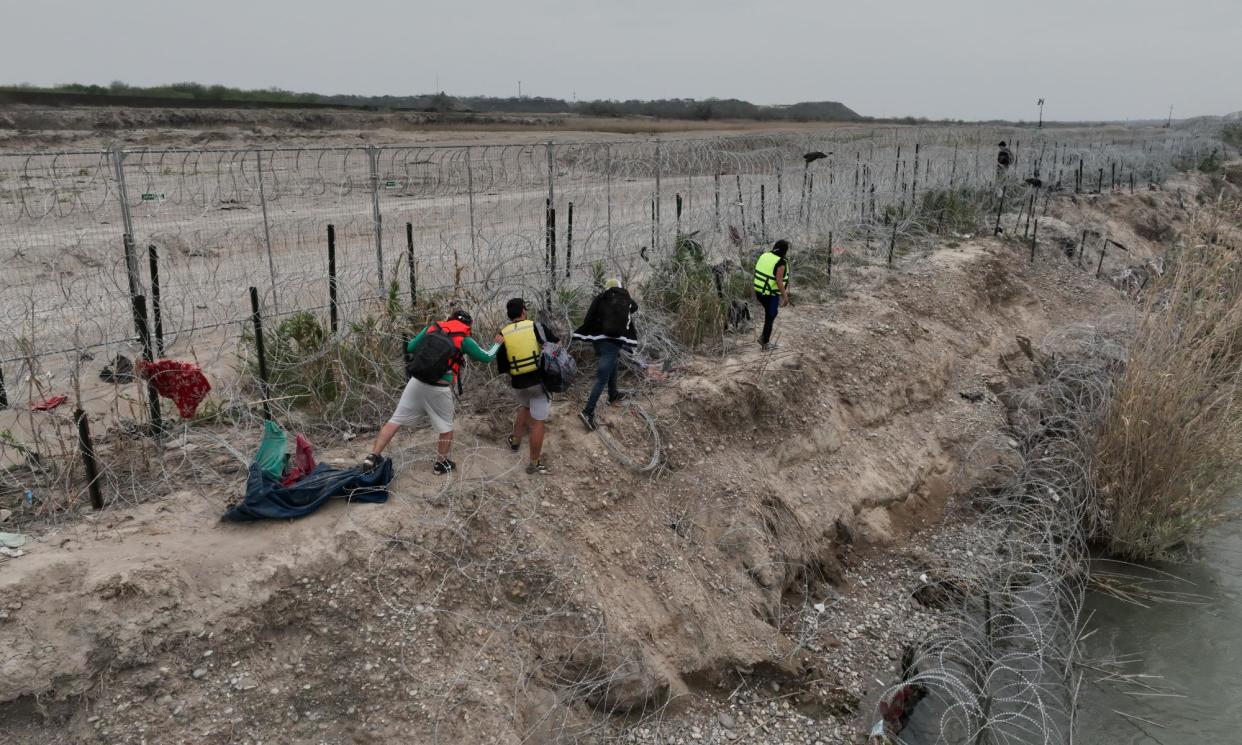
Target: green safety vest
[(765, 274)]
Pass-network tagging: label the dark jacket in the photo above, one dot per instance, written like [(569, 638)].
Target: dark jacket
[(610, 310), (525, 380)]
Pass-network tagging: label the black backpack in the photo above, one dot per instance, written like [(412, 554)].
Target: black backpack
[(614, 313), (434, 356), (557, 368), (1004, 157)]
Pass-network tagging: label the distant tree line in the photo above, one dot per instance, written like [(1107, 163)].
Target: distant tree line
[(676, 108), (195, 91)]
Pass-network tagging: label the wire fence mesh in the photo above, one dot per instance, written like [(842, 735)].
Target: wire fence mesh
[(341, 233)]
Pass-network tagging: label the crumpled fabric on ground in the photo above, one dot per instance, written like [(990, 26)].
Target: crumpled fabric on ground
[(267, 499), (183, 382), (49, 403), (270, 457), (302, 463)]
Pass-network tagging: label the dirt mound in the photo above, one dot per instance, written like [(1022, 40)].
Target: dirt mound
[(500, 608)]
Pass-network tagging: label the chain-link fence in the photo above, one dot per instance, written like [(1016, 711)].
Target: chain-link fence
[(104, 248)]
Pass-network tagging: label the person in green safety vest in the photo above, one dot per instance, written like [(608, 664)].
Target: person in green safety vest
[(771, 273)]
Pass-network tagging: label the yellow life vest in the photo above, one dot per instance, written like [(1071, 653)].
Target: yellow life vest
[(521, 347), (765, 274)]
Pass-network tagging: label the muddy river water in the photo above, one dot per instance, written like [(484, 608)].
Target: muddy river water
[(1195, 652)]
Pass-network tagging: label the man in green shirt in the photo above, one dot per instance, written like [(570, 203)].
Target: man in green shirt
[(433, 401)]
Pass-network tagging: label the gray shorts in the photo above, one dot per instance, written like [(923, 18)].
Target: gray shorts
[(421, 401), (536, 400)]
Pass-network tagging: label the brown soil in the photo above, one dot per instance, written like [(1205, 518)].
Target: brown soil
[(780, 538), (32, 128)]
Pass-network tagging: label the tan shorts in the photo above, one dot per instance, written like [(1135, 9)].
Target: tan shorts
[(420, 401), (535, 399)]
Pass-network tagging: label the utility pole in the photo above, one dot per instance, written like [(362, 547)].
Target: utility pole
[(1041, 114)]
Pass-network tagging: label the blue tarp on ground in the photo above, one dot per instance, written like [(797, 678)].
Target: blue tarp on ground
[(266, 498)]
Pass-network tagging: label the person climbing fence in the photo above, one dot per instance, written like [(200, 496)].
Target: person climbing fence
[(609, 326), (521, 346), (434, 360)]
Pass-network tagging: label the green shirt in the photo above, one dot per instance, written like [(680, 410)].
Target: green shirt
[(469, 347)]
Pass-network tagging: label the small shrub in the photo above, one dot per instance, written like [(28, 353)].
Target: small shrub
[(683, 293), (957, 210)]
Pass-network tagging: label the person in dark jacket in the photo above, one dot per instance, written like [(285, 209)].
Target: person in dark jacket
[(609, 326), (1004, 159), (521, 343)]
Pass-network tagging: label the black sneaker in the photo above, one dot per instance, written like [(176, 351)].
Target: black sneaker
[(444, 466), (371, 462), (588, 420), (769, 346), (537, 467), (621, 396), (514, 445)]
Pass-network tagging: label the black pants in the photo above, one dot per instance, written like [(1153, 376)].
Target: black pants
[(771, 304)]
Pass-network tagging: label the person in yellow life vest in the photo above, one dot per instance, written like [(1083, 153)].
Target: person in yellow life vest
[(521, 343), (770, 287)]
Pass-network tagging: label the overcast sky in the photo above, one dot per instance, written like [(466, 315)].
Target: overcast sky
[(968, 59)]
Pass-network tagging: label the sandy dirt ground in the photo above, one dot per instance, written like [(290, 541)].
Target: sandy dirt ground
[(755, 589)]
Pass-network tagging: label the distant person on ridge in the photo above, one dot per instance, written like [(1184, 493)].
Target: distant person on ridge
[(434, 359), (609, 326), (521, 343), (1004, 159), (770, 287)]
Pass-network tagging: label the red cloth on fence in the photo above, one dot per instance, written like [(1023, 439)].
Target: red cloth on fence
[(183, 382), (303, 461), (49, 403)]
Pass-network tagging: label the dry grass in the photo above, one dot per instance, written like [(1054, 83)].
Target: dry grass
[(1169, 447)]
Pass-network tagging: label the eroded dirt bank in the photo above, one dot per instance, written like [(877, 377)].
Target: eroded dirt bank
[(757, 589)]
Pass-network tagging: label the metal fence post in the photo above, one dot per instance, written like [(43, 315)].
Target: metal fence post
[(548, 151), (763, 212), (144, 335), (608, 192), (829, 280), (716, 182), (257, 319), (4, 392), (569, 241), (658, 168), (156, 316), (133, 279), (810, 197), (409, 260), (267, 229), (88, 459), (377, 217), (474, 248), (892, 244), (332, 309)]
